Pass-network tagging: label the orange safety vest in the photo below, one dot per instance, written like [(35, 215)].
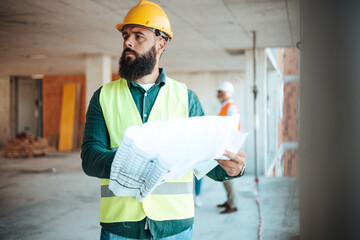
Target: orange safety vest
[(224, 109)]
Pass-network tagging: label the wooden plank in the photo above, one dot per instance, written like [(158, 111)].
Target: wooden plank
[(67, 119), (76, 142)]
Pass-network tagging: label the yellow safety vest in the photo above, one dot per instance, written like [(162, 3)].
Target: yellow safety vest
[(170, 200)]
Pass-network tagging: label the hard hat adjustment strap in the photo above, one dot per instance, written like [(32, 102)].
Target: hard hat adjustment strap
[(156, 31), (162, 34)]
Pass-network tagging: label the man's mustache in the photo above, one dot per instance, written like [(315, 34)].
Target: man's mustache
[(129, 50)]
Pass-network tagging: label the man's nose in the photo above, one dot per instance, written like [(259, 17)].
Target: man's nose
[(128, 42)]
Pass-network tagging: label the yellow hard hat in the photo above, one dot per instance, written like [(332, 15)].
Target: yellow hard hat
[(148, 15)]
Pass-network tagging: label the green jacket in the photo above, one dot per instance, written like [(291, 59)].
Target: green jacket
[(97, 157)]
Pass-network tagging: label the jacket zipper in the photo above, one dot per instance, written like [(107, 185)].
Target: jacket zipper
[(146, 224)]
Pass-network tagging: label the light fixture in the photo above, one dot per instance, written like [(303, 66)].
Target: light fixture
[(36, 56), (235, 52), (37, 76)]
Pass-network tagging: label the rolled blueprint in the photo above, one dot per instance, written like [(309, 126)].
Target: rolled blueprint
[(157, 151)]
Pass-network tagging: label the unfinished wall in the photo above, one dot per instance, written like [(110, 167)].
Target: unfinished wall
[(4, 110), (290, 159), (288, 126), (52, 89), (290, 120), (291, 61)]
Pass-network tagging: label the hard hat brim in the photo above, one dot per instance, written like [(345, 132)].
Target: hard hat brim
[(120, 28)]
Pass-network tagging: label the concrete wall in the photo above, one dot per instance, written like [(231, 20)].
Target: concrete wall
[(97, 72), (272, 112), (256, 154), (329, 137), (205, 85), (4, 110)]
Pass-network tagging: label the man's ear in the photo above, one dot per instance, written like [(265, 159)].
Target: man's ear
[(161, 45)]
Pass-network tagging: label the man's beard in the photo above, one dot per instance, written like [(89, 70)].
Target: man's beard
[(141, 66)]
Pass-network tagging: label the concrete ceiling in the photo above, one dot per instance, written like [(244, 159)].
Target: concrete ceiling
[(54, 36)]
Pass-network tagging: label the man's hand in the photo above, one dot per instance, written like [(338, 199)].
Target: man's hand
[(236, 163)]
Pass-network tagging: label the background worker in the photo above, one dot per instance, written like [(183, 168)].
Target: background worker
[(228, 108), (144, 93)]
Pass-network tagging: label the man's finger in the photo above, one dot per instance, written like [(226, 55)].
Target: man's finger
[(231, 167), (238, 158), (226, 163)]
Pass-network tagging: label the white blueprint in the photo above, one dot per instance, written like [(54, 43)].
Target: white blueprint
[(157, 151)]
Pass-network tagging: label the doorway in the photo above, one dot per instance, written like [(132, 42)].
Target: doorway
[(27, 111)]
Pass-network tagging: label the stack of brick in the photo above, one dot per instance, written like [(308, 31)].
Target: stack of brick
[(26, 145)]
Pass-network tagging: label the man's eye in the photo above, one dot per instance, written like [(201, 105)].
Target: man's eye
[(139, 37)]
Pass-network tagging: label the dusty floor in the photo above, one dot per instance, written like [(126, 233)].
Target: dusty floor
[(51, 198)]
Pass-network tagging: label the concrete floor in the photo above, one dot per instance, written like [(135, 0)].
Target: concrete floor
[(38, 203)]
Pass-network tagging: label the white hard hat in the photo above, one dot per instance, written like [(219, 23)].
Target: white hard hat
[(226, 87)]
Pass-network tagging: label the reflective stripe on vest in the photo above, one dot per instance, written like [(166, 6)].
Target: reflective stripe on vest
[(172, 199), (165, 188)]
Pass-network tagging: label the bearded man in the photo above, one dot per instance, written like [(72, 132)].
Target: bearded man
[(144, 93)]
